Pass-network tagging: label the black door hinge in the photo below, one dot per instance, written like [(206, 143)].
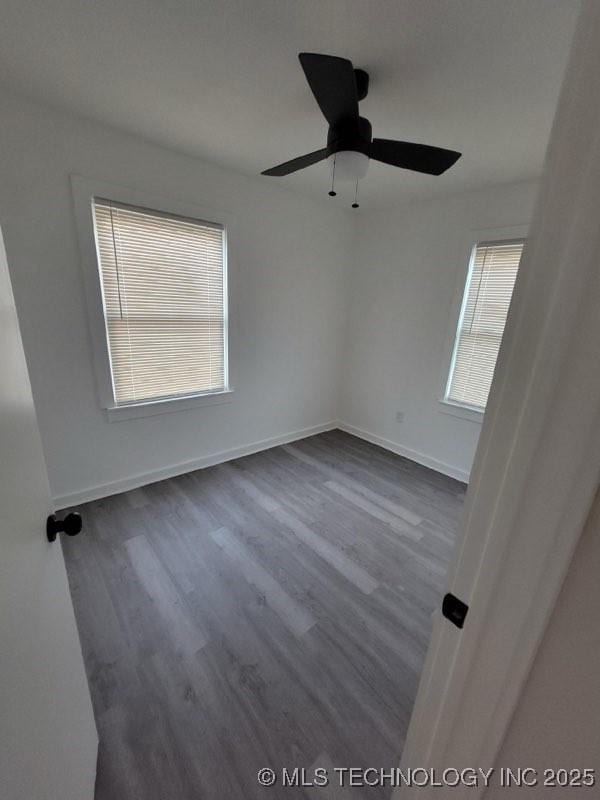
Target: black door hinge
[(454, 610)]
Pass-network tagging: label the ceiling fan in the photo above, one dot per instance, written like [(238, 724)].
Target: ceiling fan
[(338, 87)]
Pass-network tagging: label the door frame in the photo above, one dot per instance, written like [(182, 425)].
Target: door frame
[(537, 465)]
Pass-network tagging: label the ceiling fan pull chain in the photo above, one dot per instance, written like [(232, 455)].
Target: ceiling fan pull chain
[(332, 193), (355, 204)]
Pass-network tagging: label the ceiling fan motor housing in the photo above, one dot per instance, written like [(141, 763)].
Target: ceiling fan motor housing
[(352, 134), (362, 83)]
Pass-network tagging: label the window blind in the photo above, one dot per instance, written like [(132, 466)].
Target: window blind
[(163, 292), (489, 288)]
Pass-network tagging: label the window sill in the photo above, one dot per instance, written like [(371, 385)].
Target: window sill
[(462, 412), (153, 407)]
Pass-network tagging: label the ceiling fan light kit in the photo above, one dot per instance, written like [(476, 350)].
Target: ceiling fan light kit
[(338, 87)]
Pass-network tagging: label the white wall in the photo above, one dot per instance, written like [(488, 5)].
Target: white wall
[(290, 268), (556, 723), (406, 281), (342, 315)]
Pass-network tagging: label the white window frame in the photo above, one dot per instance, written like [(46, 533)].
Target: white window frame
[(466, 255), (84, 191)]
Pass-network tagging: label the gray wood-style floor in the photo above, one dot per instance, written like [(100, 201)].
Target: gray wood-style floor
[(271, 611)]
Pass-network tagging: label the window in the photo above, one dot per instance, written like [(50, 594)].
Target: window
[(163, 280), (492, 274)]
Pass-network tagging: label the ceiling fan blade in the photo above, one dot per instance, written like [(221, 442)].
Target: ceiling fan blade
[(296, 163), (333, 84), (418, 157)]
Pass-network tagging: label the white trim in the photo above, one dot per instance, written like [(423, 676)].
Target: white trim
[(168, 405), (144, 478), (537, 465), (84, 189), (469, 413), (414, 455)]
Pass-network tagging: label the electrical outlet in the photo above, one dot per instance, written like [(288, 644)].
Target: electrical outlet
[(399, 416)]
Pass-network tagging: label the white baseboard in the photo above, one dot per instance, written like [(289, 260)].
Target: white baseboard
[(413, 455), (144, 478)]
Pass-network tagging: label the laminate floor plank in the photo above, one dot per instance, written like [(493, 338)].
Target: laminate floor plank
[(273, 611)]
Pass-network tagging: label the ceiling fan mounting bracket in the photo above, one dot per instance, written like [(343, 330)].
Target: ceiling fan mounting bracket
[(362, 83)]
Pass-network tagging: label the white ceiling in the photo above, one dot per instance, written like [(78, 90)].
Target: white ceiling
[(221, 79)]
